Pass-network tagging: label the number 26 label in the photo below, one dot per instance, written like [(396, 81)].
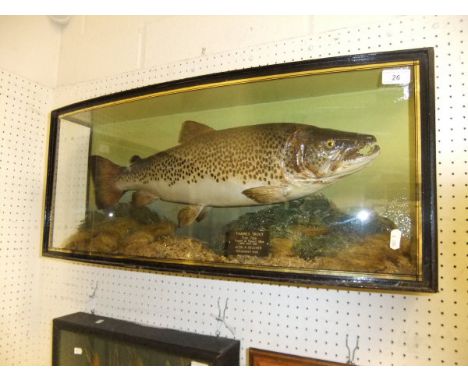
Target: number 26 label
[(400, 76)]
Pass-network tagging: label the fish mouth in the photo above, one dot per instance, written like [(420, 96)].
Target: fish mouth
[(366, 152), (357, 159)]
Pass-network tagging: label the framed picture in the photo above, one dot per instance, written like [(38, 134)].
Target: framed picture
[(82, 339), (258, 357), (315, 173)]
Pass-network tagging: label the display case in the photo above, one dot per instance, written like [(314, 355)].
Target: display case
[(83, 339), (260, 357), (315, 173)]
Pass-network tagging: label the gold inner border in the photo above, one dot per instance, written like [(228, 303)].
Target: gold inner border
[(266, 268), (244, 81), (416, 70), (418, 190)]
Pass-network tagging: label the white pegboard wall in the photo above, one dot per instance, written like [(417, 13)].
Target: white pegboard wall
[(397, 329), (23, 114)]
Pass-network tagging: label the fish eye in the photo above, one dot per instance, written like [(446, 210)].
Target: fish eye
[(330, 143)]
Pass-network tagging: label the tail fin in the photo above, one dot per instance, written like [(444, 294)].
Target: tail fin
[(105, 174)]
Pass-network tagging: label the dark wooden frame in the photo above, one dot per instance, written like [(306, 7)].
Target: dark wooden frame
[(429, 280), (215, 351), (259, 357)]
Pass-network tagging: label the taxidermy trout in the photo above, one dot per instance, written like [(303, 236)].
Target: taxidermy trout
[(240, 166)]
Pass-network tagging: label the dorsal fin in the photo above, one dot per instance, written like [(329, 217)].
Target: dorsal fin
[(192, 129)]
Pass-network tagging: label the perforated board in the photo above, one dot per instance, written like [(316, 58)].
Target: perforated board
[(393, 329), (24, 108)]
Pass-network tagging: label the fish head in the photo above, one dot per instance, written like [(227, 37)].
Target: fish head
[(327, 155)]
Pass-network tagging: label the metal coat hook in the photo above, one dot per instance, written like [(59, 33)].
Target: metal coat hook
[(93, 295), (352, 354), (221, 318)]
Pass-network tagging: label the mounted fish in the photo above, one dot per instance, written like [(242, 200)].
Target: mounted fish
[(241, 166)]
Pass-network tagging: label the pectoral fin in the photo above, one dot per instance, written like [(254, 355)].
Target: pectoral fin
[(202, 214), (188, 215), (267, 194), (143, 198)]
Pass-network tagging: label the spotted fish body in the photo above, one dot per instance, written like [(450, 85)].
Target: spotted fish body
[(242, 166)]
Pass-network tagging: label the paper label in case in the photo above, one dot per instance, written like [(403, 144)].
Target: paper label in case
[(77, 351), (395, 238)]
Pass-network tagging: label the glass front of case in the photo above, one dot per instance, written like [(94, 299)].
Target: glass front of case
[(84, 349), (301, 175)]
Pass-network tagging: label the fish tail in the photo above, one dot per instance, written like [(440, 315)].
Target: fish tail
[(105, 174)]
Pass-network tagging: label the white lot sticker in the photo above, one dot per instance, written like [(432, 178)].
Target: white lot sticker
[(77, 351), (400, 76), (395, 238)]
